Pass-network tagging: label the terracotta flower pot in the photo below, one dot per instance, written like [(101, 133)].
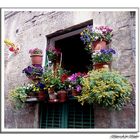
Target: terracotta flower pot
[(36, 59), (52, 95), (98, 45), (101, 65), (74, 92), (62, 95), (41, 96)]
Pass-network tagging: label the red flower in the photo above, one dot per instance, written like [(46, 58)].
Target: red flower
[(64, 77), (11, 49), (79, 74)]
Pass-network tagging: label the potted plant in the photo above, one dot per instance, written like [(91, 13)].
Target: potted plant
[(19, 95), (75, 83), (33, 72), (102, 58), (53, 53), (36, 56), (96, 38), (39, 89), (55, 85), (108, 89)]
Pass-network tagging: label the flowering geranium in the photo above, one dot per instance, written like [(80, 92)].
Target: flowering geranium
[(89, 35), (35, 51), (103, 55), (53, 53)]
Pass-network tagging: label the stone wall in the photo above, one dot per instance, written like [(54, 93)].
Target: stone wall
[(29, 30)]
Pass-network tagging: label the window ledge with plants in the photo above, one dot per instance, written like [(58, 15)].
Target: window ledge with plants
[(100, 85)]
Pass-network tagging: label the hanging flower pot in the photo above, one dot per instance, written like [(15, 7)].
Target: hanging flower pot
[(98, 45), (96, 38), (36, 56), (101, 65), (62, 95), (36, 59)]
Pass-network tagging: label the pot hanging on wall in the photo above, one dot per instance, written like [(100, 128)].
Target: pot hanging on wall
[(36, 59), (97, 66), (98, 45)]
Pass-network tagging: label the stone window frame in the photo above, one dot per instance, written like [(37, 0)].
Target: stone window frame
[(64, 33)]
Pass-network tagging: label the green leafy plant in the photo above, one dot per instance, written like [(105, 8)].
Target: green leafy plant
[(55, 80), (108, 89), (19, 95), (53, 53)]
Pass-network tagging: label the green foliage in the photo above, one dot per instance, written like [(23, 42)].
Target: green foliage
[(52, 56), (108, 89), (50, 79), (18, 96)]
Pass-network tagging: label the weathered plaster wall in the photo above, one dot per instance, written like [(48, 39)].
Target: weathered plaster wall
[(29, 29)]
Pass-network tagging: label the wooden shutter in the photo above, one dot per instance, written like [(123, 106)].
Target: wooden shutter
[(66, 115)]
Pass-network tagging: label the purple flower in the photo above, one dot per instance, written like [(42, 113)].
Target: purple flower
[(104, 51), (72, 78), (33, 70), (40, 85), (90, 27), (112, 51), (78, 88)]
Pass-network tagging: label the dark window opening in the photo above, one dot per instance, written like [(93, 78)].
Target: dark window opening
[(74, 57)]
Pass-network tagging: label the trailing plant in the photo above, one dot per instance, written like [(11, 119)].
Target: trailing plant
[(19, 95), (108, 89)]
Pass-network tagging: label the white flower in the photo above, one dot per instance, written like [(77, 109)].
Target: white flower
[(96, 37)]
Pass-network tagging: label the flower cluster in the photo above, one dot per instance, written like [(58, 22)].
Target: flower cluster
[(75, 81), (103, 55), (38, 87), (89, 35), (103, 33), (53, 53), (33, 72), (57, 81), (35, 51)]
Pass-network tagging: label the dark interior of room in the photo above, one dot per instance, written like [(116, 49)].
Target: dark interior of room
[(74, 57)]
